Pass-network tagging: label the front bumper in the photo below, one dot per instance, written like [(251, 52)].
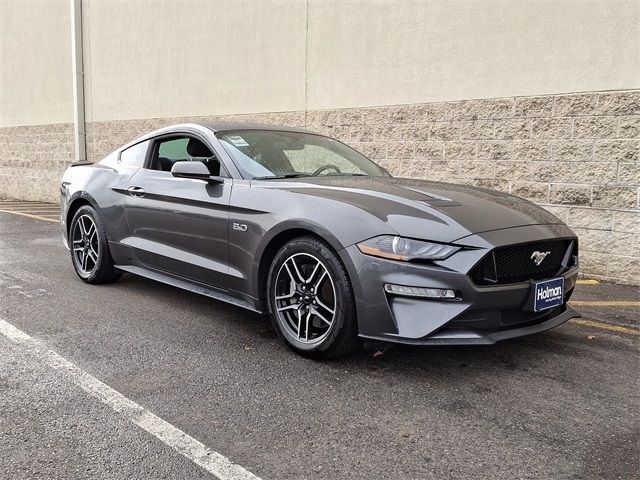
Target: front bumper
[(469, 336), (484, 315)]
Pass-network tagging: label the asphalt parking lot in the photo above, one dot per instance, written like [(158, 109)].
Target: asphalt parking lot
[(563, 404)]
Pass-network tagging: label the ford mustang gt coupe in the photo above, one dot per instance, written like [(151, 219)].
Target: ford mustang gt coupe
[(332, 247)]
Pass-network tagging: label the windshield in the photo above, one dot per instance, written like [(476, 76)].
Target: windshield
[(273, 154)]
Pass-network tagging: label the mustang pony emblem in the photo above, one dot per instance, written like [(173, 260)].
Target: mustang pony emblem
[(538, 257)]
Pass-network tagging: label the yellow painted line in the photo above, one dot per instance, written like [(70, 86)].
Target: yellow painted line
[(37, 217), (29, 209), (38, 214), (604, 303), (31, 205), (605, 326), (33, 210), (587, 282), (36, 207), (25, 204)]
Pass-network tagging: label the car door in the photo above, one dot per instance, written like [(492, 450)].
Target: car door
[(179, 225)]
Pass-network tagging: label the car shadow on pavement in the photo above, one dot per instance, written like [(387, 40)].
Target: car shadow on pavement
[(566, 344)]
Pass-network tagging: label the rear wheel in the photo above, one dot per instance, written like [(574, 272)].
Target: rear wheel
[(310, 299), (89, 248)]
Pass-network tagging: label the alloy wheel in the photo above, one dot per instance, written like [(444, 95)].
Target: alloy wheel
[(85, 245), (305, 298)]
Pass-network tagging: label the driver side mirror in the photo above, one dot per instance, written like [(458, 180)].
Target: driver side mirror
[(194, 171)]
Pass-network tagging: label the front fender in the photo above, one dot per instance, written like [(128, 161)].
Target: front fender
[(265, 215)]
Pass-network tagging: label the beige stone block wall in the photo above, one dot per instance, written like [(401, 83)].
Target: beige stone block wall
[(32, 160), (576, 155)]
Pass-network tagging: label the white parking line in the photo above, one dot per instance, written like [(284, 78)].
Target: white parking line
[(197, 452)]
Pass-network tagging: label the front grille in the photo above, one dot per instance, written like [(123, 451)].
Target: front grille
[(513, 263)]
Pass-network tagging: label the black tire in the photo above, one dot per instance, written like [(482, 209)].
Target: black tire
[(100, 270), (339, 338)]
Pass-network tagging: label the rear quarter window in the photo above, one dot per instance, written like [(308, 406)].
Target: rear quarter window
[(134, 156)]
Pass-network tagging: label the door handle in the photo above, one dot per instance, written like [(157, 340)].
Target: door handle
[(136, 191)]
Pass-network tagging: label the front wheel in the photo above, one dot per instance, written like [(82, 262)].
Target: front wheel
[(310, 299)]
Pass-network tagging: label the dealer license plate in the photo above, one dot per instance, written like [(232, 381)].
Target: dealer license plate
[(548, 294)]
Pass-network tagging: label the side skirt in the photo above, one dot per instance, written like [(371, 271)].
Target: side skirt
[(190, 286)]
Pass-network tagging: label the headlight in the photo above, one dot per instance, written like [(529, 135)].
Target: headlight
[(405, 249)]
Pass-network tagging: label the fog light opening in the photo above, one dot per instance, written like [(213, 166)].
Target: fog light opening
[(421, 292)]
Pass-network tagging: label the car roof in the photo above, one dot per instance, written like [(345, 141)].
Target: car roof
[(214, 127), (224, 126)]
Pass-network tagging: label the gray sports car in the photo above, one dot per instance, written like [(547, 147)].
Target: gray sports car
[(308, 230)]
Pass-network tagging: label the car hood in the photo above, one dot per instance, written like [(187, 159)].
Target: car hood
[(424, 209)]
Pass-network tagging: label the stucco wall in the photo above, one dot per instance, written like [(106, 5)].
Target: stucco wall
[(161, 58), (35, 63), (365, 53), (166, 58), (147, 59)]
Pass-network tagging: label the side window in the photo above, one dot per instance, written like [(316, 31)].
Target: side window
[(183, 149), (134, 156), (174, 150)]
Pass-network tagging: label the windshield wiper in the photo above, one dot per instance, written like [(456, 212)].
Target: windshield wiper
[(346, 175), (276, 177)]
